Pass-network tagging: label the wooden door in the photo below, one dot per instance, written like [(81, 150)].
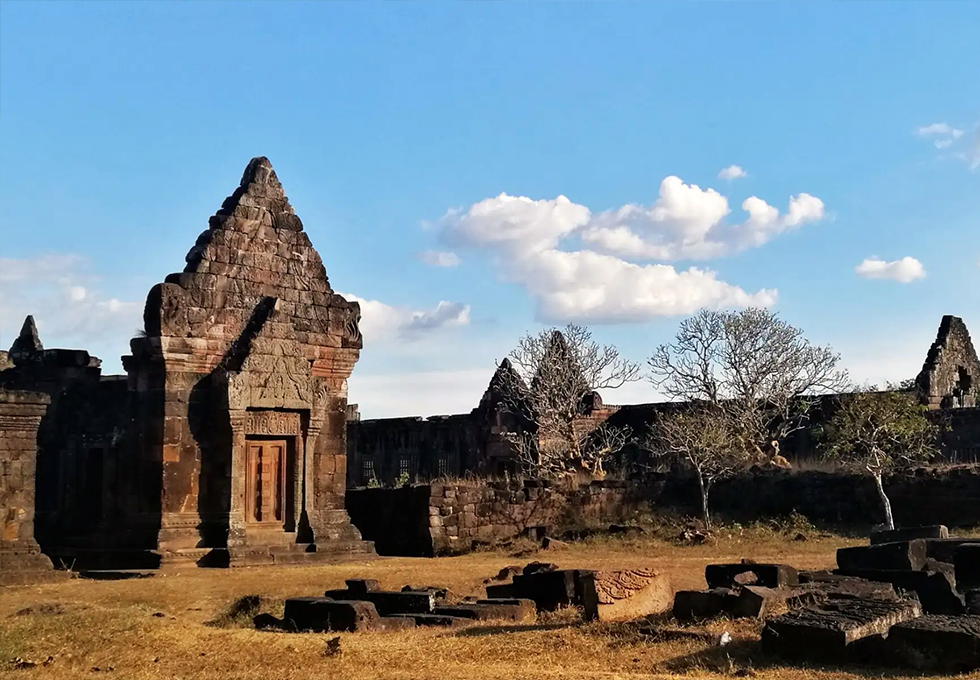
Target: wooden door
[(266, 482)]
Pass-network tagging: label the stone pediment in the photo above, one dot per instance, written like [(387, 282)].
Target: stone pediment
[(254, 250)]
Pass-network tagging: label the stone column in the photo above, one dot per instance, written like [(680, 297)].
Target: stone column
[(236, 506), (20, 417)]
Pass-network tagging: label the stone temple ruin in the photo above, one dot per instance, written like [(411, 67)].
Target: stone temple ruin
[(224, 443), (228, 440), (386, 449)]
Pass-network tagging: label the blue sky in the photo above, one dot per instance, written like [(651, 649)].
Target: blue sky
[(401, 129)]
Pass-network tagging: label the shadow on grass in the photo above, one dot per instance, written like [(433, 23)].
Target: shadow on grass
[(744, 658)]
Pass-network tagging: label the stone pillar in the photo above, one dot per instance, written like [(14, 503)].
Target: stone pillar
[(20, 417), (236, 509)]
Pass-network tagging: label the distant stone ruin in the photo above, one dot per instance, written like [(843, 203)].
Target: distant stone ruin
[(950, 377), (225, 442), (384, 450)]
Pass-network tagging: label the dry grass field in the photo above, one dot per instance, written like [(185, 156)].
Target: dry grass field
[(165, 626)]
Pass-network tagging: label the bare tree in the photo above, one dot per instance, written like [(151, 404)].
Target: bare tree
[(750, 365), (551, 381), (700, 434), (880, 431)]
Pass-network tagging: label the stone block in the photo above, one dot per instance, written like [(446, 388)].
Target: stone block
[(323, 614), (696, 605), (440, 620), (492, 610), (826, 631), (937, 643), (759, 602), (629, 594), (360, 586), (966, 560), (389, 603), (393, 623), (551, 590), (501, 591), (768, 575), (934, 589), (943, 549), (902, 555), (909, 533)]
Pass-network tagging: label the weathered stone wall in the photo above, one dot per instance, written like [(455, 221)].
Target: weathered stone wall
[(950, 376), (20, 419), (381, 450), (433, 519), (927, 496), (424, 520)]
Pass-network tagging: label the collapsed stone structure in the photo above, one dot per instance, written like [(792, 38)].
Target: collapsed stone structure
[(225, 441), (387, 449), (950, 377)]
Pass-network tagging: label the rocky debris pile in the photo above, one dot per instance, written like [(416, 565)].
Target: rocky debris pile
[(911, 597), (612, 595), (363, 606)]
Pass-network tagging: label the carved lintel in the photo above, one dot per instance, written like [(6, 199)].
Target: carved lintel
[(273, 422)]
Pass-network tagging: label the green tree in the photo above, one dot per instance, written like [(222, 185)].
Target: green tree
[(878, 432)]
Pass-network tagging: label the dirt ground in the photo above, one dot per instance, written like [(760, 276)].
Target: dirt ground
[(165, 626)]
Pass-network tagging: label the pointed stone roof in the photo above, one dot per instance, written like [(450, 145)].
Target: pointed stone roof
[(254, 256), (951, 370), (559, 363), (28, 342), (504, 379)]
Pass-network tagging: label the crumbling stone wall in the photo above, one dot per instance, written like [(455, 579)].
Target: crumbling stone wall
[(433, 519), (429, 519), (20, 418), (950, 377)]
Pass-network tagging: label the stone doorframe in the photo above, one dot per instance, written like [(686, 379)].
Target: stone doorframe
[(273, 396)]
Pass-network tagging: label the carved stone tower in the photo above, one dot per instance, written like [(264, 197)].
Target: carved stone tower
[(240, 387)]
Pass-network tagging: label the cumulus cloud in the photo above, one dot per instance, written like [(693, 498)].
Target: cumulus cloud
[(905, 270), (381, 322), (604, 283), (439, 258), (590, 287), (732, 172), (67, 305), (956, 141), (687, 222), (515, 223)]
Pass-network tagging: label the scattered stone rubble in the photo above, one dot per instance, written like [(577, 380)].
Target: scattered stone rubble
[(911, 597), (914, 601), (363, 606)]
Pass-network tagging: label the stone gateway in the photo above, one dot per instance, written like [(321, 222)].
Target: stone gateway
[(228, 445)]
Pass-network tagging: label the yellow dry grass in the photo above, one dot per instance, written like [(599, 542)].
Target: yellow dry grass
[(158, 627)]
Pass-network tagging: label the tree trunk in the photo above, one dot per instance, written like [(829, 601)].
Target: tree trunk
[(889, 520), (705, 513)]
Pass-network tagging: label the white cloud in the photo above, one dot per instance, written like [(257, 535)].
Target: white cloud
[(589, 287), (732, 172), (437, 258), (595, 285), (515, 223), (956, 140), (381, 322), (938, 129), (905, 270), (687, 222), (67, 306)]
